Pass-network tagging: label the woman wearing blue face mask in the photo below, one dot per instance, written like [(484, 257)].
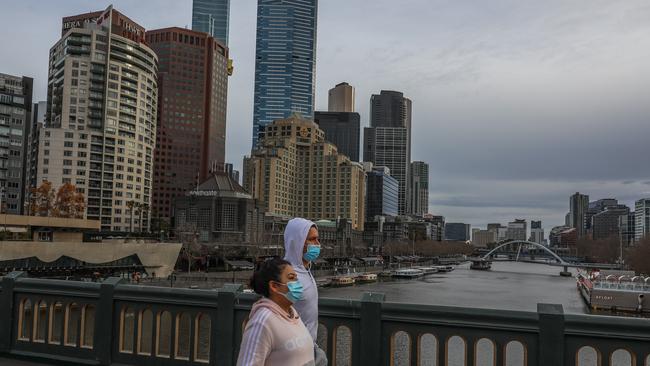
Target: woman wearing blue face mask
[(275, 333)]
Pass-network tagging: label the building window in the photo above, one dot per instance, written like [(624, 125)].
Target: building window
[(44, 236), (229, 217)]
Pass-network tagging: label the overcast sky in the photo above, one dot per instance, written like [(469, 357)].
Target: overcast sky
[(516, 104)]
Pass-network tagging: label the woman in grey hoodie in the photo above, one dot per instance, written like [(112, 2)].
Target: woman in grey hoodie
[(301, 248)]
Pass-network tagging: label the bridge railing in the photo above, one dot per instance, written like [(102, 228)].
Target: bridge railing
[(115, 323)]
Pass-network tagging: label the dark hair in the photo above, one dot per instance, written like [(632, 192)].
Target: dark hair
[(268, 270)]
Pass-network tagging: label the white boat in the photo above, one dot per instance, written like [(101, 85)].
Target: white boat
[(430, 270), (408, 273), (342, 281), (444, 268), (366, 277)]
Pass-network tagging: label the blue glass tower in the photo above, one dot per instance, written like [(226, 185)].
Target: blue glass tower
[(212, 16), (285, 61)]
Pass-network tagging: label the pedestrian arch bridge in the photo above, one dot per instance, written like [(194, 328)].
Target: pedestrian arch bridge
[(559, 261), (521, 243)]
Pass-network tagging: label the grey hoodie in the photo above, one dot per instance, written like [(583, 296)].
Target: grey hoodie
[(295, 235)]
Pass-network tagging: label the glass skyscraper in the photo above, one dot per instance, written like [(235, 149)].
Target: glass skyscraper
[(212, 16), (285, 61)]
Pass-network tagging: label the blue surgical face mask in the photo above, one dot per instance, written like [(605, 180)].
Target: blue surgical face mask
[(313, 251), (295, 291)]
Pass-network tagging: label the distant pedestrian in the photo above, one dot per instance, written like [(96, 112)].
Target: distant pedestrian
[(275, 334), (301, 249)]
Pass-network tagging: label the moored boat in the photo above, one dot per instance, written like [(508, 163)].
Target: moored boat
[(615, 291), (366, 277), (408, 273), (481, 264), (446, 268), (429, 270), (342, 281)]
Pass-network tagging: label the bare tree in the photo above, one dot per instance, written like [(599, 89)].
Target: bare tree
[(638, 257)]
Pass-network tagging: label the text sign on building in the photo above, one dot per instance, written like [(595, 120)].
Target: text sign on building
[(203, 193)]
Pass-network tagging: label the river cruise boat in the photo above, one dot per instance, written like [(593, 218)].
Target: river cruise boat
[(408, 273), (385, 274), (481, 264), (615, 291), (429, 270), (444, 268), (342, 281), (366, 278)]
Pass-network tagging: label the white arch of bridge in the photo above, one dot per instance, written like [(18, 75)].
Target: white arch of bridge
[(520, 242)]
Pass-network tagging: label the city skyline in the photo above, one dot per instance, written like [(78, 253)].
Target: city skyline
[(488, 95)]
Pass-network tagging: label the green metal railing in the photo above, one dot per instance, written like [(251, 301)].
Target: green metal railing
[(112, 323)]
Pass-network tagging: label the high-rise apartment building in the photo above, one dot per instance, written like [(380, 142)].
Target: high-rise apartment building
[(31, 157), (419, 192), (212, 17), (191, 130), (387, 142), (341, 98), (15, 121), (642, 219), (295, 172), (285, 61), (100, 123), (342, 129), (381, 193), (517, 230), (578, 206), (457, 231), (536, 232)]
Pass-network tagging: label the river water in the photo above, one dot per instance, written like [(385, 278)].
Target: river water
[(508, 286)]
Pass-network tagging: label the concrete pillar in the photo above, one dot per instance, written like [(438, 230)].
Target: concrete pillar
[(551, 335)]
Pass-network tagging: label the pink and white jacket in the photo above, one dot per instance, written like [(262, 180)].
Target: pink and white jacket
[(273, 338)]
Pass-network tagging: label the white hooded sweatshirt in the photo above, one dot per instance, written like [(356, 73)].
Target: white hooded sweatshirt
[(295, 235)]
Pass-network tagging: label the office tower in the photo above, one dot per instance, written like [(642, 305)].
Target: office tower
[(627, 229), (100, 123), (481, 238), (342, 129), (641, 219), (15, 121), (419, 192), (285, 61), (438, 229), (387, 142), (212, 17), (381, 193), (563, 240), (597, 207), (31, 158), (517, 230), (536, 232), (606, 224), (457, 231), (341, 98), (294, 171), (578, 206), (191, 131)]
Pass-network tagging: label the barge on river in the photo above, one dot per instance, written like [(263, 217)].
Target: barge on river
[(615, 291)]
